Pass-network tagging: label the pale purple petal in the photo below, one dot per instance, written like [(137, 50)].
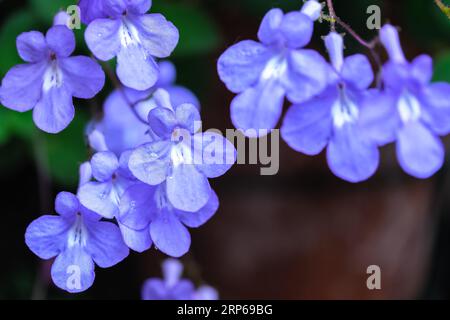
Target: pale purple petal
[(169, 235), (268, 32), (422, 68), (32, 46), (350, 156), (22, 86), (91, 10), (187, 188), (98, 197), (188, 117), (102, 38), (241, 65), (420, 153), (297, 29), (54, 112), (357, 71), (73, 270), (205, 293), (104, 165), (436, 108), (138, 206), (67, 204), (46, 236), (137, 240), (105, 244), (61, 40), (162, 121), (199, 218), (307, 127), (83, 76)]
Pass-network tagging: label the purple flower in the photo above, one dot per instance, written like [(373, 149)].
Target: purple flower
[(332, 119), (50, 79), (147, 210), (135, 38), (77, 238), (181, 157), (92, 10), (121, 128), (411, 111), (172, 287), (263, 73)]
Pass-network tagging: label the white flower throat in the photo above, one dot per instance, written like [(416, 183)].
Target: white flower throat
[(77, 234), (275, 68), (408, 107), (344, 110), (53, 76), (128, 34)]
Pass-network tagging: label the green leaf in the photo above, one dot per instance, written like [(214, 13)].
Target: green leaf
[(47, 9), (198, 32), (66, 151), (16, 24), (442, 67)]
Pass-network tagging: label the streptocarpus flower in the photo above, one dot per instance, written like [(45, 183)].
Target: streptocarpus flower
[(411, 111), (121, 128), (50, 79), (332, 119), (181, 157), (173, 287), (147, 210), (263, 73), (135, 38), (78, 239)]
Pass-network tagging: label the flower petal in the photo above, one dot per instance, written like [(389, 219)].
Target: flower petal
[(32, 46), (137, 240), (422, 68), (73, 270), (358, 71), (206, 293), (419, 152), (105, 244), (162, 121), (268, 32), (188, 117), (22, 86), (55, 111), (187, 188), (297, 29), (158, 36), (102, 38), (135, 68), (216, 154), (149, 163), (169, 234), (241, 65), (257, 110), (67, 204), (46, 236), (307, 75), (61, 40), (104, 165), (199, 218), (350, 156), (96, 196), (83, 76), (91, 10), (436, 109), (307, 127), (137, 206)]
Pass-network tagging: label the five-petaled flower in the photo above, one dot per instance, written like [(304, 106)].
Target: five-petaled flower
[(77, 238), (135, 38), (411, 110), (332, 118), (173, 287), (50, 79), (263, 73), (181, 157)]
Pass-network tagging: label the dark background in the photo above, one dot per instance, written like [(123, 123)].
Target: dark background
[(302, 234)]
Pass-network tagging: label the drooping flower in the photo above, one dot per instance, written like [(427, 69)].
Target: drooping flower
[(121, 128), (180, 156), (263, 73), (78, 239), (173, 287), (332, 119), (50, 79), (147, 210), (135, 38), (92, 9), (411, 111)]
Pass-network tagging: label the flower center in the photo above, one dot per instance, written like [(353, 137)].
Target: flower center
[(77, 234), (128, 34), (181, 154), (408, 107), (53, 77), (275, 68), (344, 110)]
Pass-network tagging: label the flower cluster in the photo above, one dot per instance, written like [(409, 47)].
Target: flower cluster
[(173, 287), (147, 181), (334, 106)]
